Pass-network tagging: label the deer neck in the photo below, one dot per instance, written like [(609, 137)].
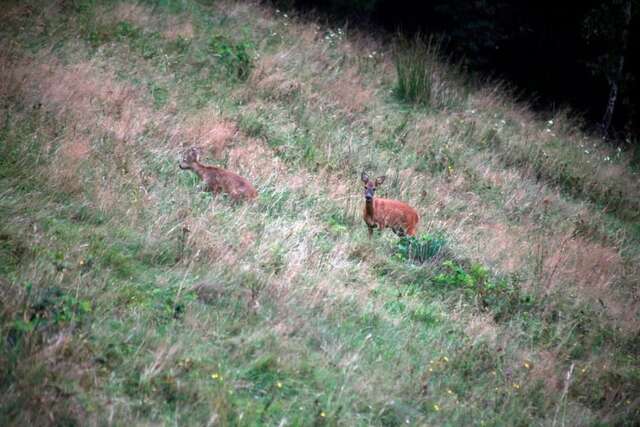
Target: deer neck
[(199, 169), (368, 208)]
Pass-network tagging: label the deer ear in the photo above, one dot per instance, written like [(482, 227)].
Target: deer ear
[(380, 180), (364, 177)]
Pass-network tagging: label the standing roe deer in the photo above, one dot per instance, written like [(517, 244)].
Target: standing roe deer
[(382, 213), (217, 179)]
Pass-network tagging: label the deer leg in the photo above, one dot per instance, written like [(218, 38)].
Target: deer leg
[(371, 227), (399, 231)]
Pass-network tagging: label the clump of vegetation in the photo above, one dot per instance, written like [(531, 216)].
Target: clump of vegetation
[(234, 56), (501, 296), (424, 77), (421, 248)]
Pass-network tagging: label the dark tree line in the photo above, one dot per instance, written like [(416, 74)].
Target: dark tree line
[(584, 55)]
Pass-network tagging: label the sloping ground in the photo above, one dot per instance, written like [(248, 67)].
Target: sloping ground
[(130, 296)]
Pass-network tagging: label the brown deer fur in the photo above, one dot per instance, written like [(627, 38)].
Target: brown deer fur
[(382, 213), (217, 179)]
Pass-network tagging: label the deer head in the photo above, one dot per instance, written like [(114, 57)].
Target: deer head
[(370, 186), (189, 157)]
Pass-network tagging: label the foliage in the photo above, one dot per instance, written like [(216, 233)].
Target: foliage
[(499, 295), (235, 57), (419, 249)]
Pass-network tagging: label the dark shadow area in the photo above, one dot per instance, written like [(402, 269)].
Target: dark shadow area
[(582, 57)]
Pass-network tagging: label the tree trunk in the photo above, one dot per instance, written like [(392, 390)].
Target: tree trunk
[(616, 79)]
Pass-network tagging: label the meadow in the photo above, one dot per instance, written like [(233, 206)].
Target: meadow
[(129, 296)]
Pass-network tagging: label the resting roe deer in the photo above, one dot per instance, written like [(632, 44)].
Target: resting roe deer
[(382, 213), (217, 179)]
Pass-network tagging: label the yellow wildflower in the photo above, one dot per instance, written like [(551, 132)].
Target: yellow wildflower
[(322, 414), (215, 376), (526, 365), (436, 407), (279, 384)]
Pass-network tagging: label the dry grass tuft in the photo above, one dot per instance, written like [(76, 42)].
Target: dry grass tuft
[(253, 156), (592, 271), (503, 245), (206, 130), (349, 92), (270, 79), (65, 170), (179, 27), (589, 266), (87, 96), (142, 16), (163, 355), (208, 239), (482, 327), (132, 12), (342, 87), (544, 368)]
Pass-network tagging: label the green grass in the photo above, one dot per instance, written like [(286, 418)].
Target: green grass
[(126, 293), (423, 78)]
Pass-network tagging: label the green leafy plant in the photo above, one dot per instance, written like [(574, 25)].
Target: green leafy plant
[(234, 56), (419, 249), (49, 310), (501, 296)]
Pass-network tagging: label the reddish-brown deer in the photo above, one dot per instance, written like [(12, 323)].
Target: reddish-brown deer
[(218, 180), (383, 213)]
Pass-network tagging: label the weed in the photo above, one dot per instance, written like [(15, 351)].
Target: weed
[(235, 57)]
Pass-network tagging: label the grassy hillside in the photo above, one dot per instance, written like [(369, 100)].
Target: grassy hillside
[(128, 296)]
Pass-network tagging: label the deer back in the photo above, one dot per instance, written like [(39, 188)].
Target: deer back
[(221, 180), (393, 214)]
